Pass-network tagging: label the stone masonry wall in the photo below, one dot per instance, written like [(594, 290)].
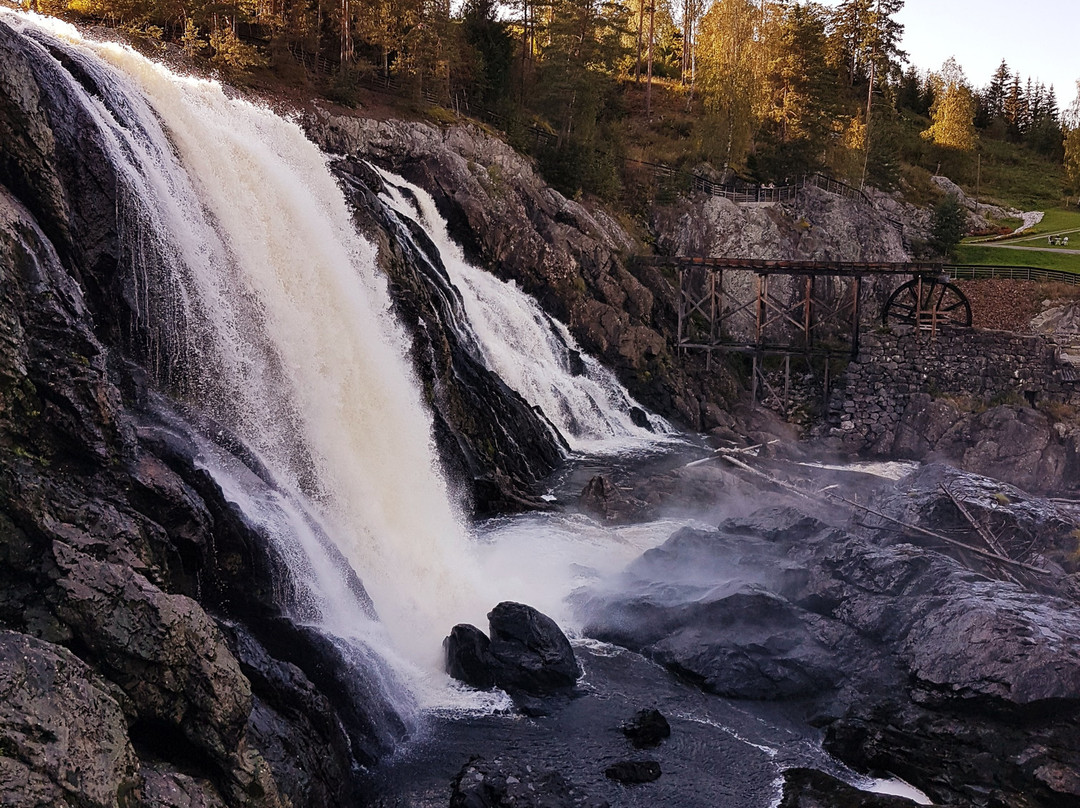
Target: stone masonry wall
[(987, 367)]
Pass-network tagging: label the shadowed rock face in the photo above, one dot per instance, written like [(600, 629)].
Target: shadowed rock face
[(493, 443), (144, 656)]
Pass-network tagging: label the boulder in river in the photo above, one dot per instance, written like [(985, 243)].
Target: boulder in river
[(633, 772), (527, 653), (504, 783), (647, 728)]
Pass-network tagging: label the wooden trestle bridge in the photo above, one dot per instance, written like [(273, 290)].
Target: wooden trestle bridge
[(804, 309)]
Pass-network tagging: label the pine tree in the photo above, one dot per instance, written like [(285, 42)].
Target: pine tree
[(801, 94), (995, 92), (947, 226), (1013, 107), (1071, 123)]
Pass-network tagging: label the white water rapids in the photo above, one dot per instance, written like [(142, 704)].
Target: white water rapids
[(252, 276)]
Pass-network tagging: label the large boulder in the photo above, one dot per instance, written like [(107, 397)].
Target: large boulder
[(468, 656), (707, 605), (530, 651), (527, 654)]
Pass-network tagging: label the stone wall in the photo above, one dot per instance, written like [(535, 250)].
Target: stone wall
[(972, 368)]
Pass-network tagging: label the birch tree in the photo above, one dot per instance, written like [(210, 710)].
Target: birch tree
[(953, 111), (729, 74)]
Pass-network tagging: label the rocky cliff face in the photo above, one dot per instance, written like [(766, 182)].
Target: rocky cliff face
[(493, 444), (817, 226), (146, 657)]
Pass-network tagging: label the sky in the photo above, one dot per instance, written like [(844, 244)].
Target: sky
[(1037, 38)]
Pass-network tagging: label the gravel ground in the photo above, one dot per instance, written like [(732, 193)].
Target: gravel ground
[(1010, 305)]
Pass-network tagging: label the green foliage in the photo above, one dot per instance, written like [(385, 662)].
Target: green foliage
[(947, 226), (492, 48), (953, 110), (231, 54), (778, 88), (577, 168), (729, 78), (1072, 162)]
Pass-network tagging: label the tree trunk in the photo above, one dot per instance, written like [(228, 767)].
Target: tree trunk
[(648, 81), (640, 31)]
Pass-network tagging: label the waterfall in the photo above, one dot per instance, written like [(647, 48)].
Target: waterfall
[(532, 352), (256, 285)]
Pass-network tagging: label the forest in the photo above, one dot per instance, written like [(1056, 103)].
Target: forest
[(601, 91)]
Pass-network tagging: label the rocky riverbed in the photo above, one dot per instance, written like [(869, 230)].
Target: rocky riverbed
[(804, 634)]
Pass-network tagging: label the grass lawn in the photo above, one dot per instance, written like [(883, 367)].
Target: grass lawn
[(980, 255), (1016, 176)]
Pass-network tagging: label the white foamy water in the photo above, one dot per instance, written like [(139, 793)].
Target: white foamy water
[(532, 352), (276, 309)]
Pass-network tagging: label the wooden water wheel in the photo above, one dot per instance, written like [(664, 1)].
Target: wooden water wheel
[(927, 302)]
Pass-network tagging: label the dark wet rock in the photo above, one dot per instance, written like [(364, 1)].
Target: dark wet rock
[(603, 499), (505, 783), (529, 651), (809, 788), (531, 706), (633, 772), (687, 607), (1028, 527), (917, 663), (527, 655), (647, 728), (166, 787), (468, 656)]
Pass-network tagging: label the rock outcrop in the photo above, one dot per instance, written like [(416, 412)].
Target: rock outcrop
[(527, 654), (817, 226), (493, 444), (507, 783)]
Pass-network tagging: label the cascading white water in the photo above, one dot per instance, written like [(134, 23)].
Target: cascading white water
[(289, 332), (530, 351)]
